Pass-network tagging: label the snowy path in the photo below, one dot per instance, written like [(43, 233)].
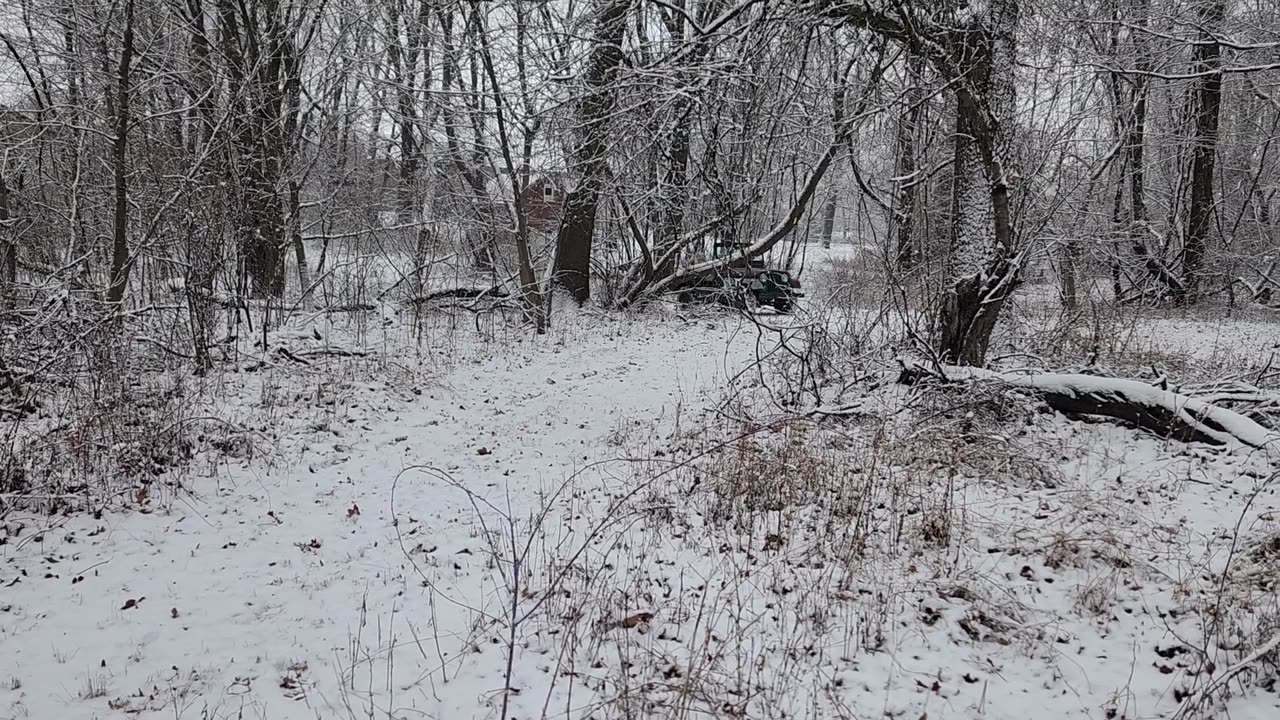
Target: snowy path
[(302, 590), (287, 594)]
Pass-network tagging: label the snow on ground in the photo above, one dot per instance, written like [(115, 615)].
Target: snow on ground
[(299, 571), (581, 526)]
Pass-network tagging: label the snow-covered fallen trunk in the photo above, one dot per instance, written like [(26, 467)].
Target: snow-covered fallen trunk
[(1161, 411)]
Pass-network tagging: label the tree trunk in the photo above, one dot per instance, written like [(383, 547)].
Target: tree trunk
[(828, 220), (517, 174), (577, 227), (119, 158), (8, 242), (982, 226), (203, 246), (904, 201), (1208, 101), (674, 191), (975, 51), (263, 83), (404, 68), (1067, 262), (295, 239), (1135, 147), (1131, 123), (1117, 225), (964, 329)]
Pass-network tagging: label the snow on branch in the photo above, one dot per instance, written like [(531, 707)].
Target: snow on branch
[(1161, 411)]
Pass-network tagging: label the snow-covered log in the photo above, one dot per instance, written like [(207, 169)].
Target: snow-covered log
[(1161, 411)]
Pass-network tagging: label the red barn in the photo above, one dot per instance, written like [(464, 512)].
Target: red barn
[(543, 201)]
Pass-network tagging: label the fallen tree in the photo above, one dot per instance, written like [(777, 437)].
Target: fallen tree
[(461, 292), (1158, 410), (646, 280)]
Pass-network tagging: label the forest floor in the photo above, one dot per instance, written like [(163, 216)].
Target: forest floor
[(621, 520)]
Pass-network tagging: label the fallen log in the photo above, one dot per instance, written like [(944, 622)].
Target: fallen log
[(462, 292), (1163, 412)]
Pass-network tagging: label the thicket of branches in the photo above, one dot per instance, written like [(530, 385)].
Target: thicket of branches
[(201, 168)]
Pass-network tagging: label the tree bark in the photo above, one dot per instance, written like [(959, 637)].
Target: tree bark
[(904, 201), (982, 225), (976, 53), (1208, 102), (119, 158), (263, 64), (577, 225), (8, 242), (1131, 125), (1067, 262), (674, 190), (828, 229)]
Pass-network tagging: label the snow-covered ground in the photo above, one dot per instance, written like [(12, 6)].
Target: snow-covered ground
[(613, 521), (297, 589)]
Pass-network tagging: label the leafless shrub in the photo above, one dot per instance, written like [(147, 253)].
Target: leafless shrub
[(853, 281)]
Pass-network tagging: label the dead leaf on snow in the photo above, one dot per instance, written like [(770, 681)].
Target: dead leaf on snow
[(634, 620)]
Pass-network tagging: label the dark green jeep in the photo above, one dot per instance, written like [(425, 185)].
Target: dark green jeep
[(749, 279)]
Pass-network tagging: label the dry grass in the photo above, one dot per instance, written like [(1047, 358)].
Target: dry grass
[(763, 555)]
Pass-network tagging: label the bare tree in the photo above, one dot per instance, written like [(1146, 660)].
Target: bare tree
[(119, 159), (577, 229), (976, 50), (1206, 101)]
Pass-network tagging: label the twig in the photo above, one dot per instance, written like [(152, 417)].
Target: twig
[(1192, 702)]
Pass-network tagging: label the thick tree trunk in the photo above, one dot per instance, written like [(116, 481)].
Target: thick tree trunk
[(964, 327), (1208, 101), (263, 68), (976, 52), (577, 227), (982, 225), (119, 158), (404, 68)]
